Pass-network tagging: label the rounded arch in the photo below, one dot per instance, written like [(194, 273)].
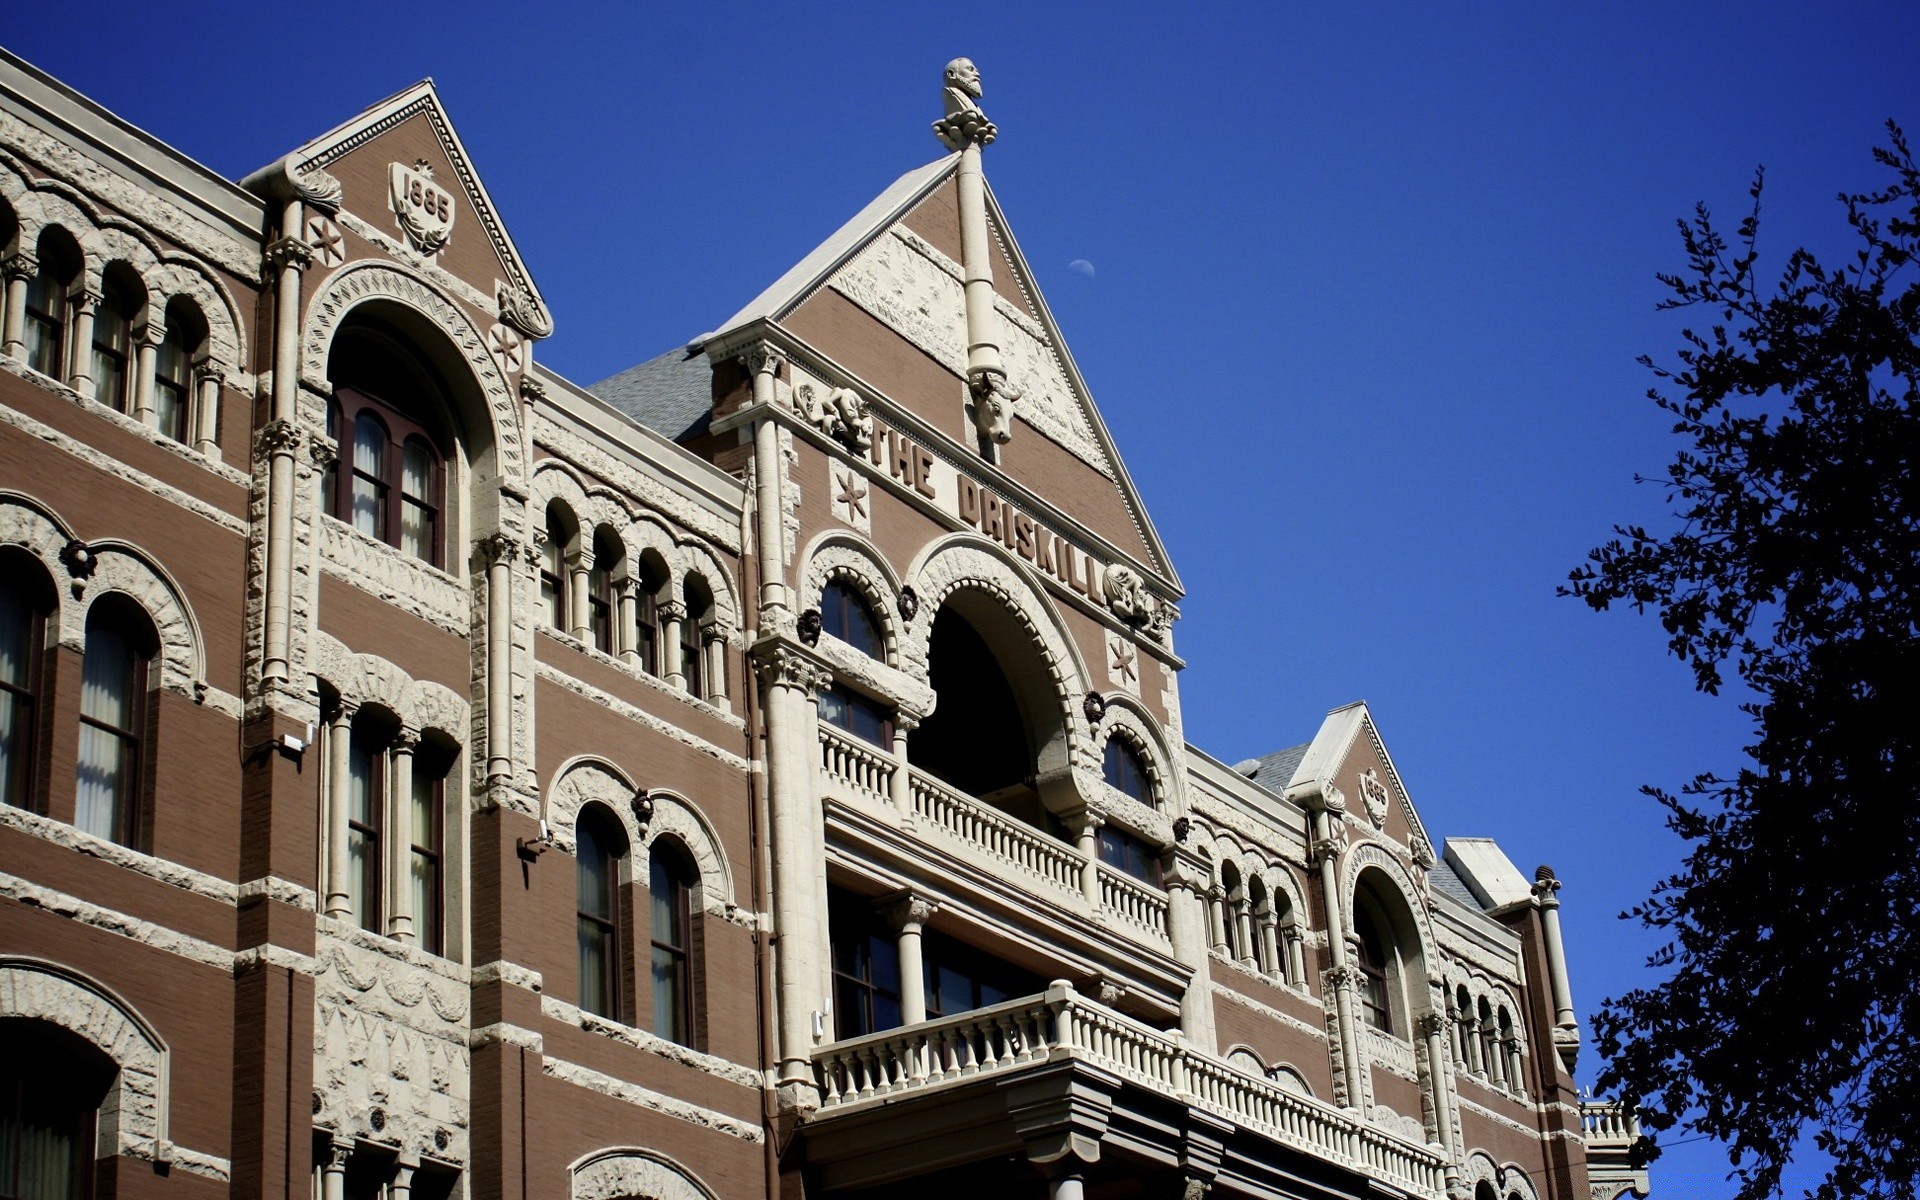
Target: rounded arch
[(679, 818), (587, 780), (630, 1173), (1128, 718), (696, 559), (1376, 883), (123, 569), (368, 679), (226, 336), (851, 559), (1371, 857), (135, 1114), (1247, 1059), (1291, 1080), (486, 406), (962, 560)]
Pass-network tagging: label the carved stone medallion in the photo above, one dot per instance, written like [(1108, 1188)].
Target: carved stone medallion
[(424, 208)]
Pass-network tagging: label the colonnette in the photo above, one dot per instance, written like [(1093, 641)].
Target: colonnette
[(761, 773)]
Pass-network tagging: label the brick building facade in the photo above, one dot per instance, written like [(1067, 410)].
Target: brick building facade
[(759, 773)]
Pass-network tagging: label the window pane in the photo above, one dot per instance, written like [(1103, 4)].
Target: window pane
[(424, 890), (107, 680), (668, 1020), (416, 530), (596, 968), (170, 409), (416, 472), (362, 882), (18, 622), (369, 477), (46, 319), (105, 778)]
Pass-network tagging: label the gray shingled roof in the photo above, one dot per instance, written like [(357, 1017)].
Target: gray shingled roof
[(1447, 881), (671, 394), (1274, 771)]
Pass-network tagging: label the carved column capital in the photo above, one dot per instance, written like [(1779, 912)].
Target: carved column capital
[(497, 547), (288, 252), (761, 358), (783, 664), (711, 632), (405, 740), (1339, 977), (1430, 1023), (21, 264), (907, 910), (1546, 887), (278, 436), (1324, 849), (84, 301), (323, 452), (671, 610), (532, 390), (1185, 870)]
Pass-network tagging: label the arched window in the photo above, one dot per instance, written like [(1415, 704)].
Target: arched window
[(553, 568), (48, 306), (1232, 930), (607, 555), (427, 843), (113, 720), (845, 614), (26, 597), (113, 341), (651, 581), (393, 413), (1509, 1050), (1485, 1191), (51, 1086), (670, 883), (599, 846), (699, 600), (173, 373), (1126, 771), (1125, 852), (1489, 1042), (1376, 1007), (366, 806)]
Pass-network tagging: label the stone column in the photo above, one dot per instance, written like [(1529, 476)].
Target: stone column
[(789, 676), (763, 364), (1470, 1027), (1546, 897), (333, 1175), (339, 898), (206, 408), (1185, 876), (902, 783), (19, 267), (625, 624), (909, 913), (1326, 809), (1243, 925), (966, 129), (1066, 1185), (713, 674), (1270, 960), (1516, 1064), (497, 551), (672, 614), (400, 835), (1217, 918), (145, 355), (1086, 836), (80, 365), (578, 622), (402, 1186), (287, 256), (1432, 1027)]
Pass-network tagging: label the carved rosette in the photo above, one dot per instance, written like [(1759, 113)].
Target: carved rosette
[(508, 348), (325, 238)]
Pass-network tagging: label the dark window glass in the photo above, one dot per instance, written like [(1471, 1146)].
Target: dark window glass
[(599, 846), (113, 701), (1127, 771), (600, 609), (427, 849), (857, 715), (393, 480), (646, 616), (51, 1086), (22, 633), (960, 978), (553, 571), (845, 614), (866, 969), (46, 315), (112, 346), (1374, 1006), (670, 884), (699, 611), (1125, 852), (366, 801), (172, 379)]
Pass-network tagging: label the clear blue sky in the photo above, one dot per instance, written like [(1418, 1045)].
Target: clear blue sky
[(1368, 285)]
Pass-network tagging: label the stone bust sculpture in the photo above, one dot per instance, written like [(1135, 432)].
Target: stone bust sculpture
[(963, 86)]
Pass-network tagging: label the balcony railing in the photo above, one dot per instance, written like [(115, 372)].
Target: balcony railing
[(1140, 906), (1010, 842), (1060, 1024), (866, 767), (1610, 1129)]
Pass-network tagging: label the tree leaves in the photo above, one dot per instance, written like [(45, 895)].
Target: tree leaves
[(1793, 927)]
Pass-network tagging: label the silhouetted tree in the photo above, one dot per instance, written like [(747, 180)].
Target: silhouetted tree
[(1790, 997)]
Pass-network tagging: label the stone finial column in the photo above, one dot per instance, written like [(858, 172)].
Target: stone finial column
[(790, 675), (19, 267), (1432, 1028), (498, 551), (763, 365), (1243, 927), (287, 257), (1268, 931), (402, 1186), (965, 128), (80, 366), (339, 898), (1326, 805), (1566, 1032), (205, 411), (400, 836), (672, 614), (908, 914), (713, 663), (1185, 876)]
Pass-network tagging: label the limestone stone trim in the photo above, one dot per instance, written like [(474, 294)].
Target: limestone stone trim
[(1366, 856), (44, 204), (390, 1044), (585, 780), (159, 869), (839, 554), (636, 481), (509, 973), (644, 1097), (367, 679), (118, 567), (107, 464), (407, 583), (1391, 1054), (1223, 992), (423, 263), (555, 1009), (640, 716), (630, 1173), (1507, 1179), (78, 173), (108, 920), (1126, 718), (368, 281)]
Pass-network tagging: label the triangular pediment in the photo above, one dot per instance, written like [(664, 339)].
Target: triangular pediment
[(1348, 755), (889, 285), (398, 175)]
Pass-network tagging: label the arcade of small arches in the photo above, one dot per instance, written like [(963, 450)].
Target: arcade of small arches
[(98, 306), (1486, 1043), (1254, 915)]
